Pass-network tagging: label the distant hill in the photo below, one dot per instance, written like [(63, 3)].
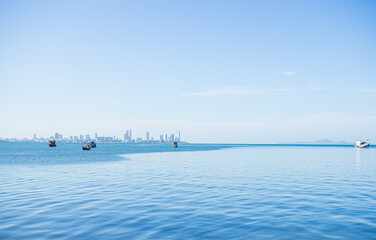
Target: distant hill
[(324, 141), (344, 143)]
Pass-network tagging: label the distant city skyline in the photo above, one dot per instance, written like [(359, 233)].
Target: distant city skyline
[(101, 138), (219, 71)]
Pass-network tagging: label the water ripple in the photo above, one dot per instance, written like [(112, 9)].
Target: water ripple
[(238, 193)]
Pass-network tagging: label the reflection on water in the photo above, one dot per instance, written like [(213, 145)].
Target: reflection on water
[(358, 157)]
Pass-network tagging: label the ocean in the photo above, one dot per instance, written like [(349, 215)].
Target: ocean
[(195, 191)]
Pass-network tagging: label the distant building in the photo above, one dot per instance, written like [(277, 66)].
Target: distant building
[(147, 136), (96, 136), (128, 136), (82, 138), (58, 136), (108, 139), (87, 137)]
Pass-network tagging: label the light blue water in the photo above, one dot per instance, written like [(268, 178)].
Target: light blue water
[(122, 191)]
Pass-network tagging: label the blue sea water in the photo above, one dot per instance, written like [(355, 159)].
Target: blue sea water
[(197, 191)]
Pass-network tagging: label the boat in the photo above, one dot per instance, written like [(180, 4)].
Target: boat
[(362, 144), (175, 144), (86, 146), (52, 143), (92, 144)]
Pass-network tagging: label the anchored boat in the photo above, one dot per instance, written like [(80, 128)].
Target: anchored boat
[(92, 144), (175, 144), (86, 146), (52, 143), (361, 144)]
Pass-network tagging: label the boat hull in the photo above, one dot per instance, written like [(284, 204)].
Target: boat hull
[(92, 144), (84, 148), (52, 145), (363, 146)]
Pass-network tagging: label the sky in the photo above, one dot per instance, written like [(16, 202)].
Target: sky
[(218, 71)]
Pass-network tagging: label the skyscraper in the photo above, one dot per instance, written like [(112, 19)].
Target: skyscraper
[(147, 136), (128, 135), (58, 136)]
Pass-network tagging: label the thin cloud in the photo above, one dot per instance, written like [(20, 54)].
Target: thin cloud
[(53, 48), (220, 91), (365, 90), (316, 87), (235, 90), (288, 73), (249, 91)]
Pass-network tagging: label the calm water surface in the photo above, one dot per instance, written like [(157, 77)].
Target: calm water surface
[(134, 191)]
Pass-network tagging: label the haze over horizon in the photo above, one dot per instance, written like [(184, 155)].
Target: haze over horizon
[(218, 71)]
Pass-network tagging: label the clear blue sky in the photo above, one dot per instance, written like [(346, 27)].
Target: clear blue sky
[(218, 71)]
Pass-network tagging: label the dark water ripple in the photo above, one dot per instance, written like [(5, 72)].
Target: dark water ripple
[(234, 193)]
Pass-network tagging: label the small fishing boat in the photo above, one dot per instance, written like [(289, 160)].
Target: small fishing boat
[(52, 143), (361, 144), (92, 144), (175, 144), (86, 146)]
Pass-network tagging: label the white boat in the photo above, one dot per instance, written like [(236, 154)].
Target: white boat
[(361, 144), (86, 146)]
